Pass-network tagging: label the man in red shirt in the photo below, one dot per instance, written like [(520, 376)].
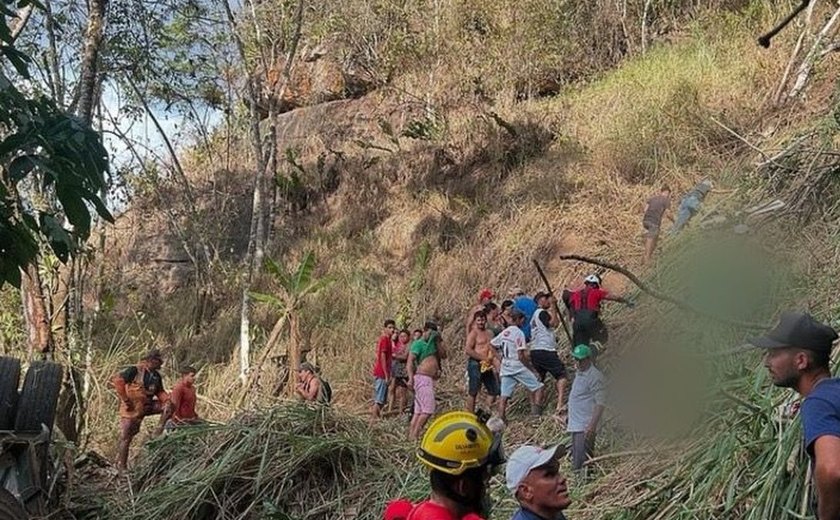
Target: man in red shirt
[(180, 410), (585, 307), (382, 368)]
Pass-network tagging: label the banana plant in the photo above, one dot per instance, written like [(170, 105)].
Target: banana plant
[(294, 289)]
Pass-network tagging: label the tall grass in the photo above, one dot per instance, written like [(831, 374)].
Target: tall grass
[(287, 462)]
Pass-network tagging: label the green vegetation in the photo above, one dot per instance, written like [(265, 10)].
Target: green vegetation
[(420, 151)]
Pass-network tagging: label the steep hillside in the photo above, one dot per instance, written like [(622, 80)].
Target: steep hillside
[(413, 203)]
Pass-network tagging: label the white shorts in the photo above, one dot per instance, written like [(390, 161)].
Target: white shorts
[(524, 377)]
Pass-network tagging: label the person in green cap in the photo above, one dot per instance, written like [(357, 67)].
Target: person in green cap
[(586, 405)]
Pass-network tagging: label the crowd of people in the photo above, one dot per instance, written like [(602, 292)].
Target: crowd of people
[(510, 344), (462, 450), (507, 345)]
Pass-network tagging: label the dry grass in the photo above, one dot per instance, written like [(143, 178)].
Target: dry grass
[(617, 139)]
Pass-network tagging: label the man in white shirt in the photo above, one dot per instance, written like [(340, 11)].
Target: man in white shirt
[(516, 368), (544, 345), (586, 405)]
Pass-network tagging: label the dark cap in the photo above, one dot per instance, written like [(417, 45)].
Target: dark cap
[(430, 325), (154, 354), (798, 329), (516, 313), (541, 294), (309, 367)]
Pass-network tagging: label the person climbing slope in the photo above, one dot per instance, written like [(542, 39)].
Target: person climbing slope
[(544, 354), (516, 367), (585, 307), (657, 207), (690, 205), (180, 409)]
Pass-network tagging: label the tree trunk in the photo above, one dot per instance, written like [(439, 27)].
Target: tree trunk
[(54, 74), (294, 349), (39, 334), (245, 336), (90, 59), (255, 251), (69, 418)]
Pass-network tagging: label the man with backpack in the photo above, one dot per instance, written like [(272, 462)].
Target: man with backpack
[(141, 393), (311, 387)]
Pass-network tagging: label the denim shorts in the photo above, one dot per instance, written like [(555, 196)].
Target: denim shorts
[(380, 391), (476, 378)]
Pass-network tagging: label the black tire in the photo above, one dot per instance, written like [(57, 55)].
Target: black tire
[(10, 508), (39, 397), (9, 381)]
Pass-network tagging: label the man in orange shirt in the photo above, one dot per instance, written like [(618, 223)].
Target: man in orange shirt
[(180, 410), (141, 393)]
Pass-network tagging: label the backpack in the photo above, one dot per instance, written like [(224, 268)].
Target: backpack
[(325, 394)]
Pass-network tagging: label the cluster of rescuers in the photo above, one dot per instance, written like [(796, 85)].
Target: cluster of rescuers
[(463, 449), (511, 344)]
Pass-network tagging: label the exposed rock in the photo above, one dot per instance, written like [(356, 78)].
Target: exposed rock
[(320, 75)]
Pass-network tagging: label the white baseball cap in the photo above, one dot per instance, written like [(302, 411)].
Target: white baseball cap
[(593, 278), (527, 458)]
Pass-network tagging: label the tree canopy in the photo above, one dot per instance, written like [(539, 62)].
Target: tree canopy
[(45, 152)]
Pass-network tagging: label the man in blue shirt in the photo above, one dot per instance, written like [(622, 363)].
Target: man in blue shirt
[(797, 355), (527, 306), (533, 475)]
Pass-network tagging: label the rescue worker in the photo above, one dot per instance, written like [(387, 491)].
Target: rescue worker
[(461, 453), (584, 305), (141, 393)]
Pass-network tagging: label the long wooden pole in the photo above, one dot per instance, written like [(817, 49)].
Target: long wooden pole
[(556, 307)]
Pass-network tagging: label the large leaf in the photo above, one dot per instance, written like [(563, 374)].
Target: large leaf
[(60, 240), (21, 166), (315, 287), (279, 273), (303, 275), (269, 299)]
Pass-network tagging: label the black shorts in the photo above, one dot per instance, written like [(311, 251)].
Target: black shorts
[(547, 361)]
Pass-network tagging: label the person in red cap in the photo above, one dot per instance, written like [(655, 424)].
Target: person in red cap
[(485, 296), (797, 354)]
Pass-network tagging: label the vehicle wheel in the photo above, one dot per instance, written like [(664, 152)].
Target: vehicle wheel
[(9, 381), (10, 508), (39, 396)]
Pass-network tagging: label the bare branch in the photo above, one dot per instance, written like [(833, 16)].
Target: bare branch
[(661, 296)]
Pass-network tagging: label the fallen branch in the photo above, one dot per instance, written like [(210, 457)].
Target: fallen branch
[(664, 297)]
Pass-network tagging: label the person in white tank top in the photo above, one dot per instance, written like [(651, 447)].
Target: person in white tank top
[(544, 355)]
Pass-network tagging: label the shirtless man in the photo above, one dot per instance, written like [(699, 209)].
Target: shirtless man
[(494, 318), (485, 296), (423, 368), (480, 362)]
